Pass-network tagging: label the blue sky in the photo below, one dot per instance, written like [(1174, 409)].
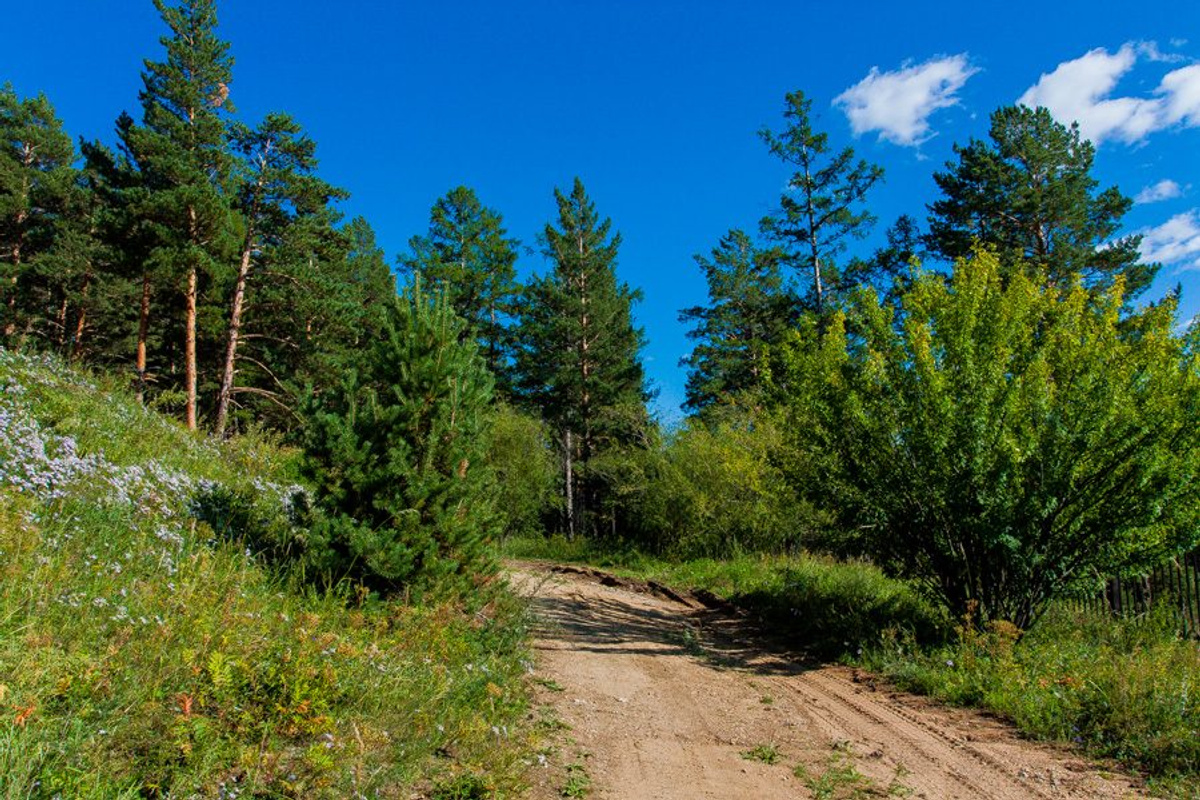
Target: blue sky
[(655, 106)]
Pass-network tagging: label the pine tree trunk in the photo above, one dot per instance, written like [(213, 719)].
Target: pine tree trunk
[(493, 345), (61, 322), (812, 243), (235, 327), (189, 353), (81, 320), (189, 342), (143, 332), (10, 327), (570, 487), (77, 337), (585, 375)]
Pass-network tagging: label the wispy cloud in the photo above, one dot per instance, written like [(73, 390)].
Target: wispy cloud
[(898, 104), (1163, 190), (1176, 241), (1080, 91), (1152, 53), (1181, 90)]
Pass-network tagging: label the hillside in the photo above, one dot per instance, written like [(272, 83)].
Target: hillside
[(145, 652)]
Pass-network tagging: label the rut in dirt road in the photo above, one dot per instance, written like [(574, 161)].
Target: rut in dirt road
[(669, 699)]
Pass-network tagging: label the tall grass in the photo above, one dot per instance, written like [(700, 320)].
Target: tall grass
[(141, 654), (1123, 689)]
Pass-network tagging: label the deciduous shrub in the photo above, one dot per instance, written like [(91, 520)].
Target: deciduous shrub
[(1001, 439), (521, 455), (716, 489)]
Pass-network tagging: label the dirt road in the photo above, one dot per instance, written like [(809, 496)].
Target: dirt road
[(665, 698)]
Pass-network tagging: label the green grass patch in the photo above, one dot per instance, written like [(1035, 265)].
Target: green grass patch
[(579, 783), (1125, 690), (763, 753), (145, 654)]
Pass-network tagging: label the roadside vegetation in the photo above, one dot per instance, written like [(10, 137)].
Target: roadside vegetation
[(148, 650), (827, 608), (1118, 689)]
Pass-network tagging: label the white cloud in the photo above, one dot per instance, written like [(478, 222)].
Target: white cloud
[(1075, 91), (1163, 190), (1176, 241), (1181, 90), (1079, 91), (898, 104), (1150, 51)]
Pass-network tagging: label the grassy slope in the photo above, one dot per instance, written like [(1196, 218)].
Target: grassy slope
[(142, 655)]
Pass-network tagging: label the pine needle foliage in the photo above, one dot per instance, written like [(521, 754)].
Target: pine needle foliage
[(37, 184), (578, 353), (399, 457), (1028, 193), (468, 254)]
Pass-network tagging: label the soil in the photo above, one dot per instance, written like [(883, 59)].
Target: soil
[(659, 695)]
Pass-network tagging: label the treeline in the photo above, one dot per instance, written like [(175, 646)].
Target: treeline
[(200, 253), (982, 405), (204, 256)]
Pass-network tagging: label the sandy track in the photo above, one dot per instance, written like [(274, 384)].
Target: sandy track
[(664, 696)]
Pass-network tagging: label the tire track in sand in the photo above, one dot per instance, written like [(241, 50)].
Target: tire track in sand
[(663, 717)]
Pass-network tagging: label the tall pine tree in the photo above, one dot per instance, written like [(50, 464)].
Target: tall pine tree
[(276, 186), (749, 309), (310, 319), (180, 152), (468, 254), (37, 181), (1029, 194), (110, 324), (821, 208), (577, 347)]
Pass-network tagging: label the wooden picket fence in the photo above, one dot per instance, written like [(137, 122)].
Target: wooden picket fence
[(1175, 583)]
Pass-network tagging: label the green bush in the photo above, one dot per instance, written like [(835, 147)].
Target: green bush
[(399, 458), (1001, 439), (824, 607), (521, 455), (714, 488), (244, 517)]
